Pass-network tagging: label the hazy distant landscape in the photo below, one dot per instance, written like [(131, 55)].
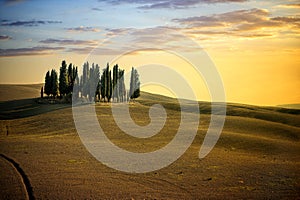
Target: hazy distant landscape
[(257, 155)]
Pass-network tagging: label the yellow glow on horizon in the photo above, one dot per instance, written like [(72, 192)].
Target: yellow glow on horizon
[(158, 89), (261, 72), (170, 60)]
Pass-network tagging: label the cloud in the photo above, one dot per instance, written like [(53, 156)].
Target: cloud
[(96, 9), (295, 5), (83, 29), (160, 37), (98, 50), (12, 2), (117, 31), (83, 50), (169, 4), (229, 18), (5, 37), (286, 19), (252, 22), (28, 23), (29, 51), (69, 42)]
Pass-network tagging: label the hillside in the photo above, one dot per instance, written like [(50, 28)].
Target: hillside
[(257, 155), (15, 92)]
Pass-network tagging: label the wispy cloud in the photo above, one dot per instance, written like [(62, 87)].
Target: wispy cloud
[(68, 42), (96, 9), (12, 2), (292, 5), (253, 22), (117, 31), (169, 4), (159, 37), (28, 23), (29, 51), (225, 19), (5, 37), (83, 29)]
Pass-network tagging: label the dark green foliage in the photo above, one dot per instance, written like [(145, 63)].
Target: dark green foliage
[(134, 84), (54, 83), (63, 79), (98, 90), (110, 86), (85, 77), (48, 86), (115, 84), (103, 85), (42, 92), (106, 84), (94, 78), (76, 89), (122, 89), (72, 74)]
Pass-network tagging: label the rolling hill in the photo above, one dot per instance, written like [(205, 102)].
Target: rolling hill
[(257, 155)]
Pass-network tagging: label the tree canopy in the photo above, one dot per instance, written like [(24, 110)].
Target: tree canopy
[(91, 84)]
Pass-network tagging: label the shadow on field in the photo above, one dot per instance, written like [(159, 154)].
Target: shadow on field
[(25, 108)]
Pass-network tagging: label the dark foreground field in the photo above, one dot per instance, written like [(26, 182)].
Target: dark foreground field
[(42, 157)]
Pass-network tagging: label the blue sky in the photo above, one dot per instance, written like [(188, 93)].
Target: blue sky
[(26, 23), (254, 44)]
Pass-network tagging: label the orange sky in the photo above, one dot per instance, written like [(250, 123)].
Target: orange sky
[(254, 46)]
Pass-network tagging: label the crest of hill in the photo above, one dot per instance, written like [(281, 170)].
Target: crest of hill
[(9, 92), (268, 113), (18, 101)]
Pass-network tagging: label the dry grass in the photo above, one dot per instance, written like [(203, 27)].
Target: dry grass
[(14, 92), (257, 155)]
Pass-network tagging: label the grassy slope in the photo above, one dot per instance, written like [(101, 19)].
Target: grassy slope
[(14, 92), (257, 155)]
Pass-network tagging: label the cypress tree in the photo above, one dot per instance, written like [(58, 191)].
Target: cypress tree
[(103, 85), (42, 92), (109, 87), (122, 90), (134, 84), (54, 83), (71, 79), (115, 83), (63, 79), (85, 79), (108, 83), (48, 87)]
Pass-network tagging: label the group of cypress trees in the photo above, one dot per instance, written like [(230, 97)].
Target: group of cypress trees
[(109, 87), (62, 85)]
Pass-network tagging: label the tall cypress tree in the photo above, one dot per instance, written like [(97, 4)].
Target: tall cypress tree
[(71, 79), (96, 81), (134, 84), (103, 84), (116, 83), (54, 83), (109, 87), (48, 87), (108, 83), (122, 90), (63, 79), (85, 79)]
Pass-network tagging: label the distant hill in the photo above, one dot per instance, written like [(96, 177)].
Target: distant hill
[(290, 106), (9, 92), (17, 101)]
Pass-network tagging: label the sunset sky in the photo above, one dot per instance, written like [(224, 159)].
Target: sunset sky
[(255, 45)]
